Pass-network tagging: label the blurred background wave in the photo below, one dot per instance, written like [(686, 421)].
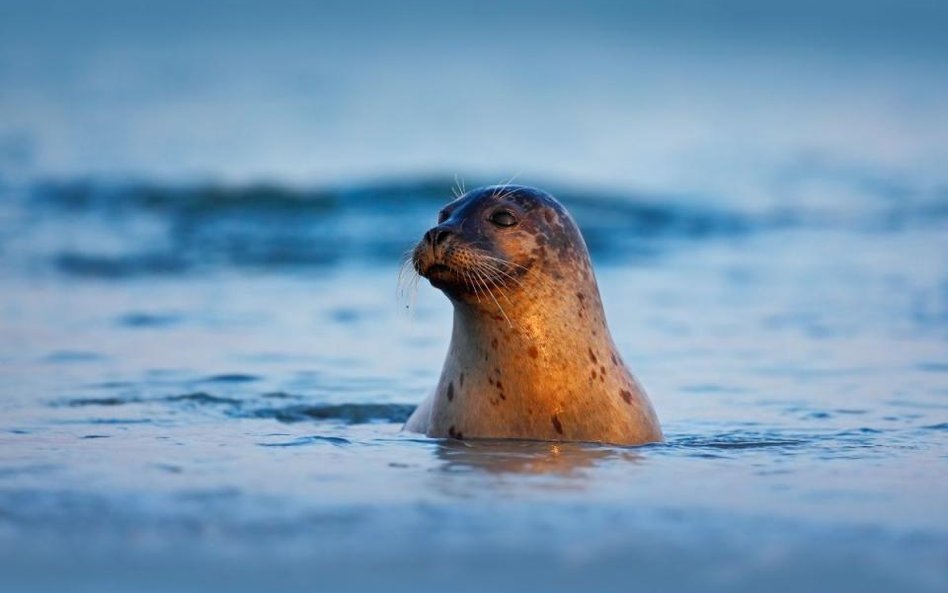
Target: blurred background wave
[(728, 100), (184, 120)]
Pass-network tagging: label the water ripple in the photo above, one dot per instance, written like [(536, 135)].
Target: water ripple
[(348, 413), (309, 440)]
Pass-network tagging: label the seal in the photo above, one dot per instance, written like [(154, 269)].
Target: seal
[(531, 356)]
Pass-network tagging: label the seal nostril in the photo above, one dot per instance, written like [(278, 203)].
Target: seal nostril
[(436, 235)]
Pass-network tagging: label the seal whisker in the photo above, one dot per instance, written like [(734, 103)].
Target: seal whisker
[(494, 281), (407, 283), (507, 193), (504, 186), (479, 280), (489, 275), (491, 293), (470, 282), (503, 261), (402, 273), (495, 270), (473, 284), (459, 186)]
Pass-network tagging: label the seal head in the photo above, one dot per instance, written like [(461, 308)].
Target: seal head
[(493, 236), (530, 356)]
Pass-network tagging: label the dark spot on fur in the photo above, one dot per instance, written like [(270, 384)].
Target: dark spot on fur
[(592, 356), (557, 425), (614, 361), (497, 370), (455, 434), (534, 352), (626, 395), (493, 343), (549, 217), (499, 386), (450, 392), (490, 380), (461, 380), (582, 298)]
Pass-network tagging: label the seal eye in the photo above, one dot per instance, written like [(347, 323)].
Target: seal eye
[(503, 218), (442, 216)]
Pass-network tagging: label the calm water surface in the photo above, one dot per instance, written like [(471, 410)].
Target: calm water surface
[(205, 387)]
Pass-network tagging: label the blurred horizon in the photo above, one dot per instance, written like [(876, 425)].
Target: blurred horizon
[(728, 101)]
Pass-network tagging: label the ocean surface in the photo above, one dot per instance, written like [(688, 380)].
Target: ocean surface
[(204, 386), (206, 358)]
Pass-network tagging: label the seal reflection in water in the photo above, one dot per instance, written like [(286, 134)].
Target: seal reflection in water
[(530, 356)]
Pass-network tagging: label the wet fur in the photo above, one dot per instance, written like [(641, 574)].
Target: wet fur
[(530, 356)]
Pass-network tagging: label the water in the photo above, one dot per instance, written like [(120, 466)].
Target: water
[(205, 364), (205, 386)]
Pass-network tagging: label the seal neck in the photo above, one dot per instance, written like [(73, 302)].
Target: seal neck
[(550, 321)]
